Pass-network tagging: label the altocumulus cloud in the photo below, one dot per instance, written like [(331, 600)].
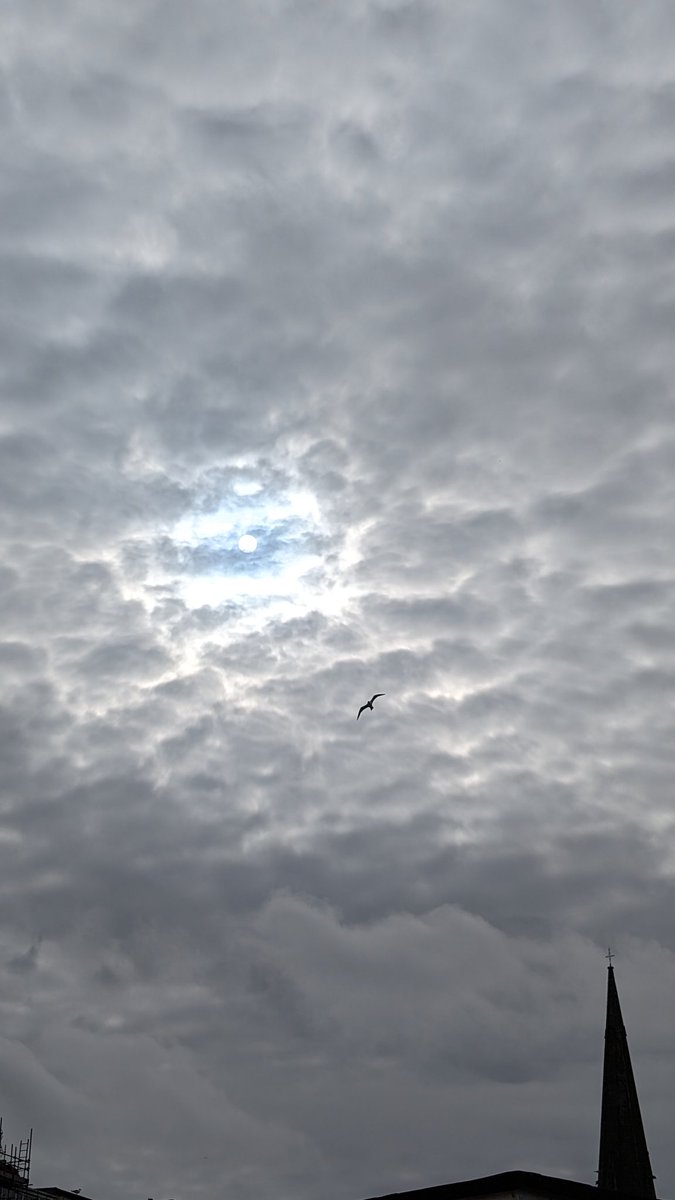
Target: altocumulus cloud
[(387, 286)]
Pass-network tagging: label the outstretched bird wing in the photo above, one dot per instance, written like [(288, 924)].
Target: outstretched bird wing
[(376, 696), (361, 710)]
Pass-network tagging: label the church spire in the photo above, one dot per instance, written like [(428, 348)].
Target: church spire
[(624, 1157)]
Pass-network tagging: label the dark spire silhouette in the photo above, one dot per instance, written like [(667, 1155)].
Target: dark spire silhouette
[(624, 1158)]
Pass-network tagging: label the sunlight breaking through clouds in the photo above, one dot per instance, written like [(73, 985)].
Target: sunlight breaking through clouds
[(263, 554)]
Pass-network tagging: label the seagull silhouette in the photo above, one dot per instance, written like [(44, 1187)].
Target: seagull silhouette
[(369, 703)]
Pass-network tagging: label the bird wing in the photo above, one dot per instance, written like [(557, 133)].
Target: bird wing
[(361, 710), (376, 696)]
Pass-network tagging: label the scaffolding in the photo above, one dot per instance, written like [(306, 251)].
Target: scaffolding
[(15, 1167)]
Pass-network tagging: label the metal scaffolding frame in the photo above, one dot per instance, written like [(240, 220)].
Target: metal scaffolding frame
[(15, 1167)]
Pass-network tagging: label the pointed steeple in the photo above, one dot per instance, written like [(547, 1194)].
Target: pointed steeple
[(624, 1157)]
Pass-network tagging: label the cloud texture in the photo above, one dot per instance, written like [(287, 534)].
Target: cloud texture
[(387, 285)]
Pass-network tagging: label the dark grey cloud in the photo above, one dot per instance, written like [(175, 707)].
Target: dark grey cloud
[(386, 286)]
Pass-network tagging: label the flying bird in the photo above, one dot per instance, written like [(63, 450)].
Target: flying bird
[(369, 703)]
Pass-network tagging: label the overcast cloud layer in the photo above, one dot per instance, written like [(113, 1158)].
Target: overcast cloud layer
[(388, 286)]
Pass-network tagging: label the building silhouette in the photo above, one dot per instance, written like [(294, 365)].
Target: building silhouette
[(624, 1158), (624, 1165)]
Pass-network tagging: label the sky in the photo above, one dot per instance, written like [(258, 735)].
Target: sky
[(385, 288)]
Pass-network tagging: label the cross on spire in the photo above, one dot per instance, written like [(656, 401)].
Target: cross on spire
[(609, 956)]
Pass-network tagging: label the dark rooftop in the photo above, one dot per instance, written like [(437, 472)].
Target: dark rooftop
[(512, 1181)]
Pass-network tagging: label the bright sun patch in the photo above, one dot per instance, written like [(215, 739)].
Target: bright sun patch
[(257, 556), (261, 551)]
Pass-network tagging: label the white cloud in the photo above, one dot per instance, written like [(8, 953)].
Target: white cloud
[(385, 285)]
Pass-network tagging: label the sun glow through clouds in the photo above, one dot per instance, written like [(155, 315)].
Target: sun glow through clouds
[(259, 556)]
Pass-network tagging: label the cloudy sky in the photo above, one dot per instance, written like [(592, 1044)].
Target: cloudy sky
[(387, 288)]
